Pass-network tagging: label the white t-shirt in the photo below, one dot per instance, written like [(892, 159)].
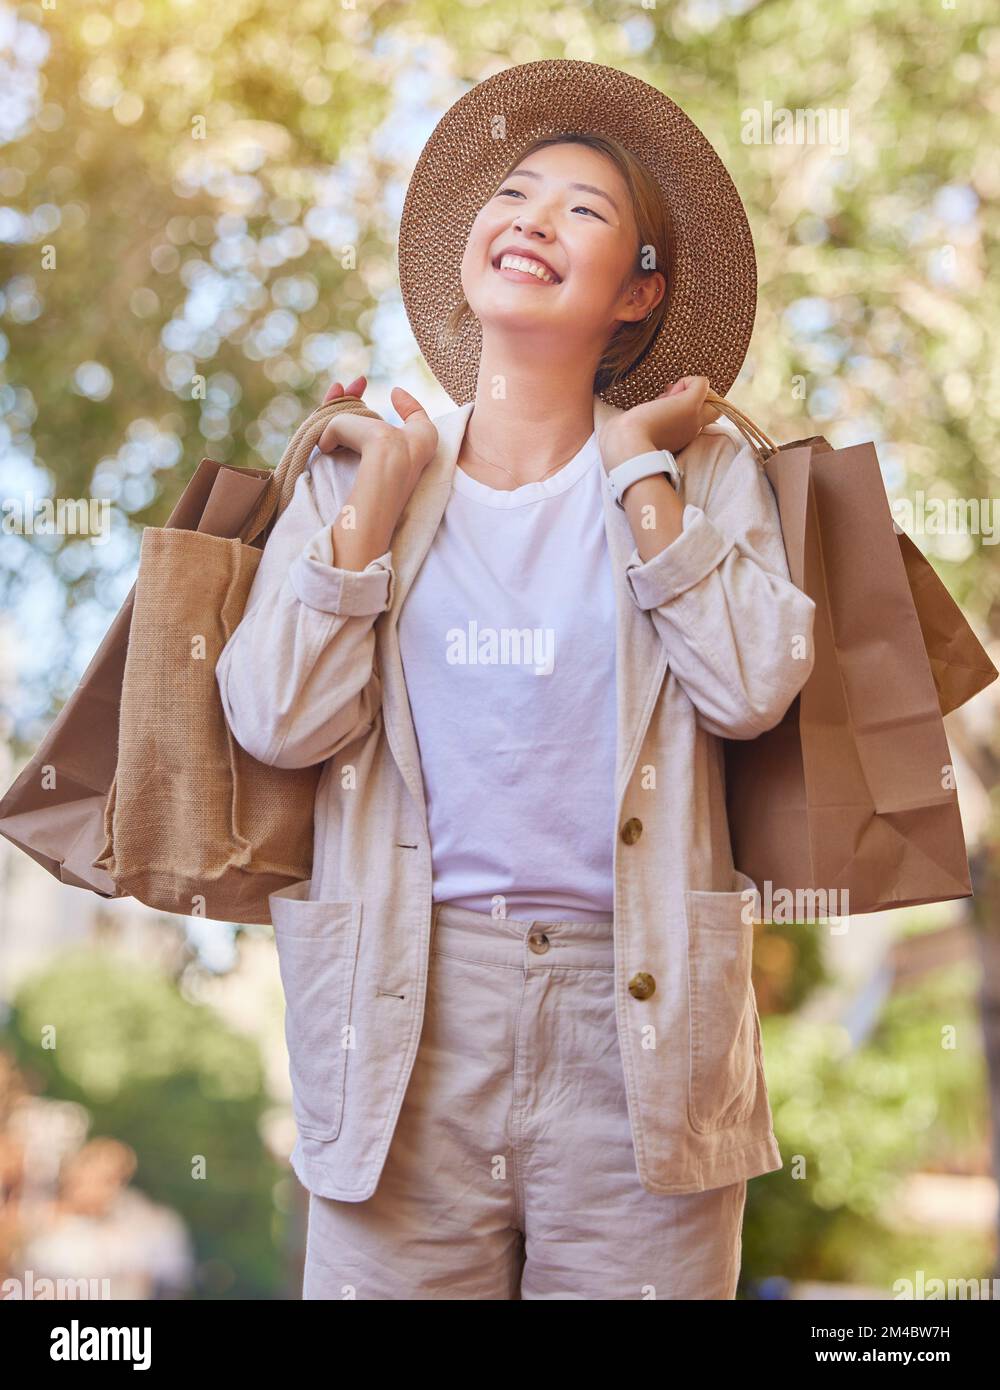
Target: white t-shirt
[(507, 638)]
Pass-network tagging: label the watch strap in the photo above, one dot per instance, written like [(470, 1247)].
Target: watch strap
[(639, 466)]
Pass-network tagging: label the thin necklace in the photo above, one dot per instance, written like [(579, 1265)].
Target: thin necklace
[(511, 475)]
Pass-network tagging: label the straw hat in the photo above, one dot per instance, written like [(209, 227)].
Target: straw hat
[(712, 272)]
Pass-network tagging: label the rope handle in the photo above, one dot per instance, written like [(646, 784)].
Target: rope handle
[(753, 433), (281, 484)]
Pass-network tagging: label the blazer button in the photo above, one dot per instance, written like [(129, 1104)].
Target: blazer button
[(631, 830), (641, 986)]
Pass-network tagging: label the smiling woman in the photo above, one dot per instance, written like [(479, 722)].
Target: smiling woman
[(561, 272), (638, 212), (475, 616)]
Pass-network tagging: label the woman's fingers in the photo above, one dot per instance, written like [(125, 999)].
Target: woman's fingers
[(352, 431), (415, 420), (707, 412), (356, 388), (697, 384), (345, 431), (405, 404)]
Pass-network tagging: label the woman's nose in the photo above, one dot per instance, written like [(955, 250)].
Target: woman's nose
[(530, 226)]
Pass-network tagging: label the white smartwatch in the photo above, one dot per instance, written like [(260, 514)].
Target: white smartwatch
[(643, 466)]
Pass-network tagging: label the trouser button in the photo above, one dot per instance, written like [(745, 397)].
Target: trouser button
[(539, 942)]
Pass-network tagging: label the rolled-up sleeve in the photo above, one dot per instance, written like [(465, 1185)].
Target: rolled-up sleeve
[(738, 632), (318, 582), (686, 561)]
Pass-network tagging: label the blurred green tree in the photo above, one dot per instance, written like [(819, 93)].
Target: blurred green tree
[(172, 1080)]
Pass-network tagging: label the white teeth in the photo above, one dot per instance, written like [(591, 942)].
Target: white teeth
[(530, 267)]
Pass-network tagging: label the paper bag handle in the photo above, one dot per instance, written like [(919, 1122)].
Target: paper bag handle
[(753, 433)]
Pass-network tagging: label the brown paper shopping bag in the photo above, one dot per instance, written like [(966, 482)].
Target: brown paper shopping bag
[(849, 804), (139, 788)]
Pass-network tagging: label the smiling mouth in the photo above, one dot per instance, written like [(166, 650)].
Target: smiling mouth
[(523, 269)]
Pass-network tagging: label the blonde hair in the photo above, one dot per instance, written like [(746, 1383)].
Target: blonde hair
[(629, 342)]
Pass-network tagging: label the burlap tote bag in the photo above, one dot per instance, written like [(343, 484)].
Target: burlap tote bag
[(193, 823)]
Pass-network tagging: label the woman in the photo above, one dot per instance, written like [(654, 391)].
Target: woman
[(524, 1047)]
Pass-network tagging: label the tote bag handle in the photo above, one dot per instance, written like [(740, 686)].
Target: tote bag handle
[(281, 484)]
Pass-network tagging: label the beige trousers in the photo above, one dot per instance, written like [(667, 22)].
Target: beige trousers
[(511, 1173)]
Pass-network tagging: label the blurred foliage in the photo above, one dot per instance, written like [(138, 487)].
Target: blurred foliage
[(787, 965), (169, 1078), (852, 1123), (219, 192)]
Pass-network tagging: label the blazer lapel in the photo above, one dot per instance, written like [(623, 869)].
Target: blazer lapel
[(640, 659)]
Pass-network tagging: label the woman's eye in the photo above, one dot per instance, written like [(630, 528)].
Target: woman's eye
[(580, 207)]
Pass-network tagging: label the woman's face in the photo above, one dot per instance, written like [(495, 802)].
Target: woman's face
[(586, 236)]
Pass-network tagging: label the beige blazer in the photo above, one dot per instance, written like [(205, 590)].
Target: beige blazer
[(713, 642)]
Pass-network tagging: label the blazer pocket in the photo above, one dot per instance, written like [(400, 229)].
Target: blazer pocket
[(724, 1030), (317, 945)]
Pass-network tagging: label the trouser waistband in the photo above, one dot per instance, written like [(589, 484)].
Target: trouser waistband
[(478, 936)]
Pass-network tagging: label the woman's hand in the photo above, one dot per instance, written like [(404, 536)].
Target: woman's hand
[(409, 447), (669, 421), (392, 459)]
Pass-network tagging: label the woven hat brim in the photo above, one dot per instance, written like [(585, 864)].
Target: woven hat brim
[(712, 275)]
